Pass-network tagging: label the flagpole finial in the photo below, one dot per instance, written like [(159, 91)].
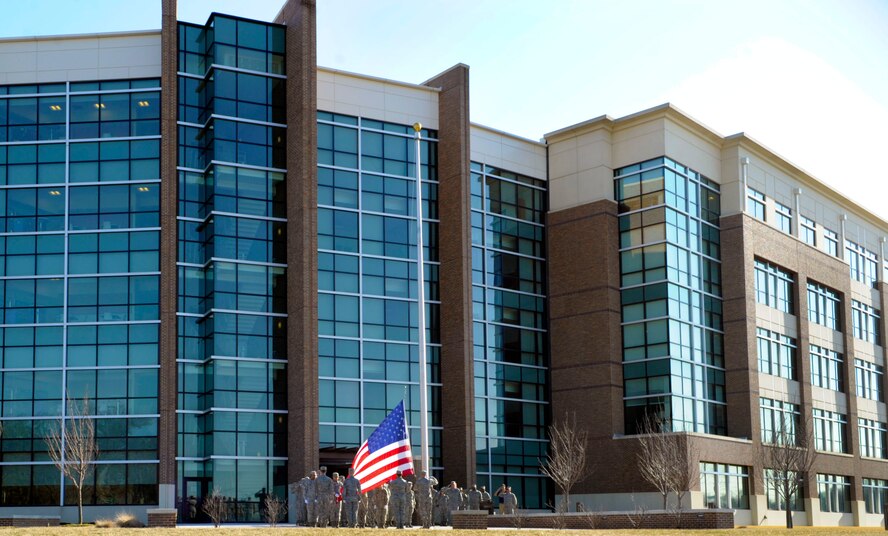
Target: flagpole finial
[(417, 127)]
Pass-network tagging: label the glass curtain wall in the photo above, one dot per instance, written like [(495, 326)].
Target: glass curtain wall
[(671, 297), (367, 276), (79, 275), (510, 344), (232, 306)]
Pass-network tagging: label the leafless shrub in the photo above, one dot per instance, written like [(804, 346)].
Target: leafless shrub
[(519, 520), (566, 462), (72, 447), (127, 520), (215, 507), (275, 509), (639, 517), (104, 524)]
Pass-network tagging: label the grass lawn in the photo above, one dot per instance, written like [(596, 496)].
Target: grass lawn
[(231, 531)]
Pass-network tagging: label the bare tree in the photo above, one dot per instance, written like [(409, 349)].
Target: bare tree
[(275, 508), (215, 507), (654, 457), (72, 447), (788, 456), (667, 460), (566, 462)]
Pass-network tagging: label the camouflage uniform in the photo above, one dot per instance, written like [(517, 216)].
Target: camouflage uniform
[(510, 502), (364, 511), (454, 501), (424, 489), (399, 488), (325, 497), (351, 496), (336, 508), (310, 497), (474, 498), (299, 501), (439, 508), (379, 506)]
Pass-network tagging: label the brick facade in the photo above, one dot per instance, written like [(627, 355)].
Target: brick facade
[(690, 519)]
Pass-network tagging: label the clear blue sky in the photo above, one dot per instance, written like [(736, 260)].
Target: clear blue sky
[(808, 78)]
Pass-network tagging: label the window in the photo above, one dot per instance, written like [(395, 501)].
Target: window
[(869, 377), (862, 262), (776, 501), (865, 322), (835, 493), (780, 420), (875, 495), (784, 217), (724, 486), (808, 230), (773, 286), (829, 431), (776, 354), (826, 368), (755, 204), (831, 242), (872, 438), (823, 306)]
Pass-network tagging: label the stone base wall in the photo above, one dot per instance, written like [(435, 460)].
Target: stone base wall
[(162, 517), (470, 519), (659, 519), (29, 521)]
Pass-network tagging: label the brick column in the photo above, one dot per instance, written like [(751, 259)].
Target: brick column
[(168, 377), (302, 233), (455, 255), (585, 335)]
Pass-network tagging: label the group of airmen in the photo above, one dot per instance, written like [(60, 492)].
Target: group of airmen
[(322, 501)]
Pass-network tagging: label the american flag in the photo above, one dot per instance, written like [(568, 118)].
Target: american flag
[(386, 451)]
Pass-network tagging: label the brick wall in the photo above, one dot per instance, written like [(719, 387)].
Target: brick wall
[(163, 517), (29, 521), (690, 519), (470, 519)]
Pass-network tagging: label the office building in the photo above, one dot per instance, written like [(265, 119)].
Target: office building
[(211, 240)]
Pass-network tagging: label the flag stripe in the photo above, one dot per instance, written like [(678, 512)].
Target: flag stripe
[(380, 465), (371, 459), (385, 452)]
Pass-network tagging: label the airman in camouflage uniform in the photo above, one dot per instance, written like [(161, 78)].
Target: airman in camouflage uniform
[(351, 496), (474, 498), (379, 502), (310, 496), (454, 501), (398, 503), (510, 501), (424, 490), (439, 508), (326, 498), (299, 501)]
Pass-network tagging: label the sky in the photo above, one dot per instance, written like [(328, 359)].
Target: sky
[(807, 78)]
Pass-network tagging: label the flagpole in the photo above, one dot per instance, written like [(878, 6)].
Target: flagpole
[(420, 299)]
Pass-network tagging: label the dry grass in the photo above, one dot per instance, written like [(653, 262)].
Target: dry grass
[(281, 531)]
